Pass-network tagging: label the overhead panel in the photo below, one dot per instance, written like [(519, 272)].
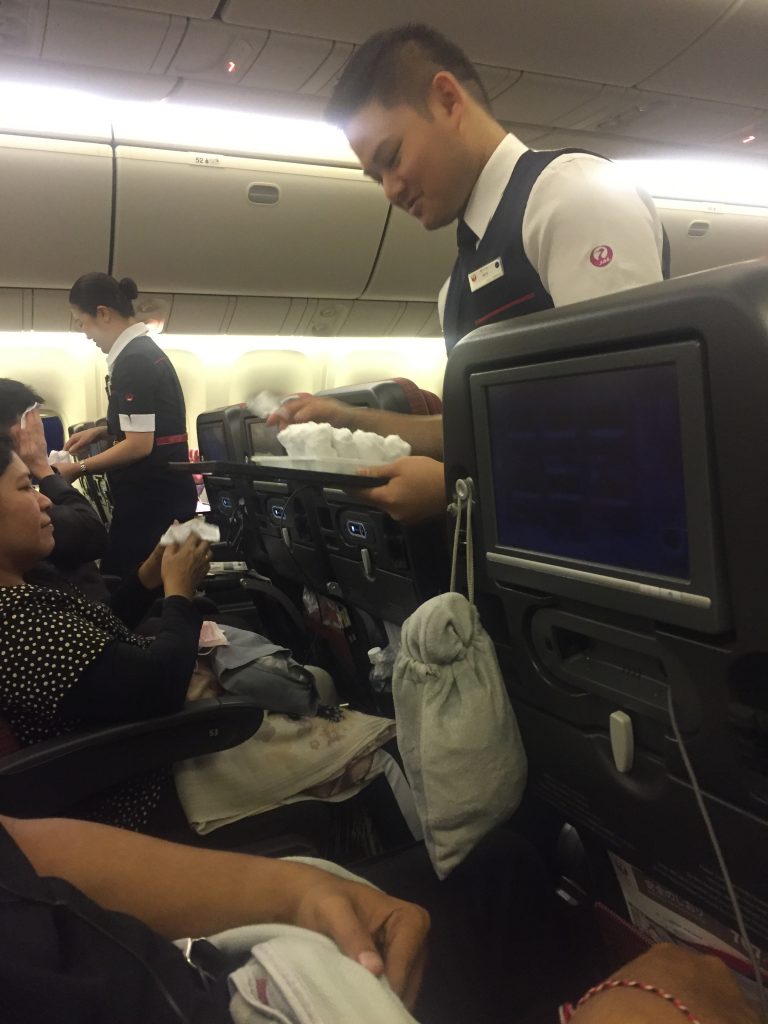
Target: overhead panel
[(413, 318), (212, 52), (88, 117), (202, 223), (55, 215), (321, 83), (413, 262), (549, 37), (50, 310), (541, 99), (12, 309), (287, 62), (371, 319), (259, 315), (727, 63), (614, 147), (496, 80), (108, 37), (197, 314), (22, 26), (186, 8), (642, 114), (432, 328)]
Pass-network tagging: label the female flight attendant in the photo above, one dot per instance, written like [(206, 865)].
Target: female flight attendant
[(146, 422)]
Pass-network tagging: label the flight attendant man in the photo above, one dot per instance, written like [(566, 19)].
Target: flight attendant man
[(535, 229)]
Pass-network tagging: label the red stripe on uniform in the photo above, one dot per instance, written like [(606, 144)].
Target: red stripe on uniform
[(509, 305), (171, 439)]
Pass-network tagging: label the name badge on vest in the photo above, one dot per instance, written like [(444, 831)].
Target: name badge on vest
[(484, 275)]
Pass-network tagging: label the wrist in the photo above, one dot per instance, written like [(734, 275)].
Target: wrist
[(39, 470)]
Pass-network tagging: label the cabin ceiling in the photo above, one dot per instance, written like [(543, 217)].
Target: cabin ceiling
[(627, 77)]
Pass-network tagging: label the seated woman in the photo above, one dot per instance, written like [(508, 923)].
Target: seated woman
[(67, 660)]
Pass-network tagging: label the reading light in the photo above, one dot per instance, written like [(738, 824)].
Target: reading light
[(749, 138), (43, 110)]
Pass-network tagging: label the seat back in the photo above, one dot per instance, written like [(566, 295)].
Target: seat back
[(617, 449)]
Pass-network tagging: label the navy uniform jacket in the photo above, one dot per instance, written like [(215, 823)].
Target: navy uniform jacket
[(145, 395), (519, 290)]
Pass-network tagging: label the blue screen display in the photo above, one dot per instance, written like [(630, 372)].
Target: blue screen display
[(589, 467), (210, 438)]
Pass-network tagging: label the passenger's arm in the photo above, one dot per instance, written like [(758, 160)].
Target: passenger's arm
[(126, 683), (180, 891), (414, 492), (79, 534), (423, 433), (702, 983), (129, 682)]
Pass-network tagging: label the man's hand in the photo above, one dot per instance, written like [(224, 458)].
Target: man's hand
[(383, 934), (185, 566), (414, 492), (31, 444), (83, 439), (308, 409)]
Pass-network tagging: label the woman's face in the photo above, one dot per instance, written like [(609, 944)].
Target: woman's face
[(102, 329), (26, 531)]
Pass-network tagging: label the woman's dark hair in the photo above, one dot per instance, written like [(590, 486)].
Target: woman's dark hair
[(6, 452), (15, 398), (95, 289), (397, 66)]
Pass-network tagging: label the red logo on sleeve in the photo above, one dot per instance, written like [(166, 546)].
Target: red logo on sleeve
[(128, 397), (601, 256)]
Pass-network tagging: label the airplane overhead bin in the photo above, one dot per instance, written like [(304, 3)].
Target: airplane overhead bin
[(195, 223), (56, 210)]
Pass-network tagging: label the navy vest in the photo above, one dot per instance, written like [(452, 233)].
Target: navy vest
[(519, 291)]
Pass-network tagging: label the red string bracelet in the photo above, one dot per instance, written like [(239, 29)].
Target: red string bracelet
[(567, 1011)]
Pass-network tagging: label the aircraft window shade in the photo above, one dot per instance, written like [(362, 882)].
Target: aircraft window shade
[(263, 195), (53, 429)]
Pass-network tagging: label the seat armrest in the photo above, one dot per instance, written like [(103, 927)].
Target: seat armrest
[(49, 777)]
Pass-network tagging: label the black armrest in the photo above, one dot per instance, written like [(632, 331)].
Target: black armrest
[(48, 777)]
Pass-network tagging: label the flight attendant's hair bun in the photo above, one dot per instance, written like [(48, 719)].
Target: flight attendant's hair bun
[(128, 288)]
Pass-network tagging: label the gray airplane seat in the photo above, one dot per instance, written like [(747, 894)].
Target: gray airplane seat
[(617, 453), (346, 550), (94, 485), (379, 566)]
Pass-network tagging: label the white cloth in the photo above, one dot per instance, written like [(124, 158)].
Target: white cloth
[(578, 203), (322, 441), (457, 733), (297, 976), (180, 532), (287, 760)]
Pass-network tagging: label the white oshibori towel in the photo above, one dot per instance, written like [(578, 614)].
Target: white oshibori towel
[(457, 733), (284, 759), (296, 976)]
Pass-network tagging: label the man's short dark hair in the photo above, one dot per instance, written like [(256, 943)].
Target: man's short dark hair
[(15, 398), (397, 66)]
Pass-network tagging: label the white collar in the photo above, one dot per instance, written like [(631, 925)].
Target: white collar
[(123, 340), (490, 185)]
